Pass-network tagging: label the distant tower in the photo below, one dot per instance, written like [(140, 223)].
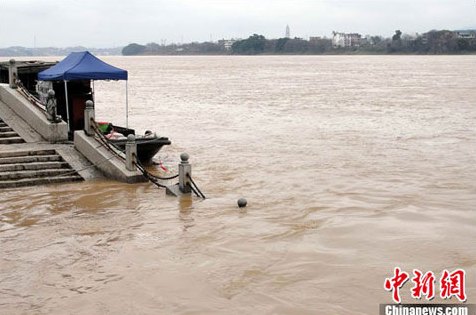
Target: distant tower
[(288, 32)]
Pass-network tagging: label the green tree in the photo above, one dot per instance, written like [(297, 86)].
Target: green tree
[(442, 42), (255, 44), (296, 45), (280, 43), (397, 36), (375, 40), (464, 44), (133, 49), (396, 44)]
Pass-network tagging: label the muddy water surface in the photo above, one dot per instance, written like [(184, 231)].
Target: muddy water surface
[(351, 166)]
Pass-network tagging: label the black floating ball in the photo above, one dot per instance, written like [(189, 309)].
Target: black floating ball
[(242, 202)]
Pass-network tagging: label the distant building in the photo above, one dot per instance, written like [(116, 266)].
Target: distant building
[(346, 40), (288, 32), (227, 43), (466, 34)]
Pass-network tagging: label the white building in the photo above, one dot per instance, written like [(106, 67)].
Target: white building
[(227, 43), (346, 40), (466, 34)]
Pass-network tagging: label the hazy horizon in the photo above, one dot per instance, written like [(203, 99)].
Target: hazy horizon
[(108, 24)]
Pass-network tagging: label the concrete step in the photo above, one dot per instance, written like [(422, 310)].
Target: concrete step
[(35, 173), (30, 159), (11, 140), (38, 167), (27, 153), (33, 166), (39, 181), (8, 134)]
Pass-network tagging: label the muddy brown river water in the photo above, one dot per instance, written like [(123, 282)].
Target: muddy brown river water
[(352, 165)]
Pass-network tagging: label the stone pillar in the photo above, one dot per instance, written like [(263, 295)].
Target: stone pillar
[(88, 115), (131, 153), (185, 170), (183, 187), (12, 74)]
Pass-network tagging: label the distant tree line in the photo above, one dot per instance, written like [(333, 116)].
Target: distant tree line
[(206, 48), (258, 44), (433, 42), (19, 51)]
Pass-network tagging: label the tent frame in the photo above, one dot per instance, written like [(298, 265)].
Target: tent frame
[(67, 103), (72, 70)]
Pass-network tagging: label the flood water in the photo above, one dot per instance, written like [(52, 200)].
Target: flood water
[(351, 165)]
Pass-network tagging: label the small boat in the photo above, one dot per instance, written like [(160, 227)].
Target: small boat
[(148, 145)]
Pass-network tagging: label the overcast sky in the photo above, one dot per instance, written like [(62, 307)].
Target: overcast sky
[(109, 23)]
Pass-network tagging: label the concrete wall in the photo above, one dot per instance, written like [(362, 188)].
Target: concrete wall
[(33, 115), (111, 166)]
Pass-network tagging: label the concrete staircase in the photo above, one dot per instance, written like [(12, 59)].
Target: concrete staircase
[(37, 167), (8, 135)]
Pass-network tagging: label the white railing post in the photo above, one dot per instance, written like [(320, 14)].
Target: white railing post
[(131, 153), (88, 118), (185, 172)]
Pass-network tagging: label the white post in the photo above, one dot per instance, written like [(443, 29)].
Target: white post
[(185, 173), (131, 153), (127, 106), (88, 116), (185, 170), (67, 102)]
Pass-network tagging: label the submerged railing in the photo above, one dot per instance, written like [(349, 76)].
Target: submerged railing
[(185, 185)]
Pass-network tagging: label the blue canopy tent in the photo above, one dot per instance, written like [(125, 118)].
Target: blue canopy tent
[(83, 66)]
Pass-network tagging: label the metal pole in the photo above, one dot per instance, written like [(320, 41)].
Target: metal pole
[(94, 99), (67, 102), (127, 106)]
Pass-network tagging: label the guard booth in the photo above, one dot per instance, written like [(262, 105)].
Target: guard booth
[(72, 80)]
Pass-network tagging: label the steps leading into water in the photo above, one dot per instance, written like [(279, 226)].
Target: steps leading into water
[(34, 167), (8, 135)]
